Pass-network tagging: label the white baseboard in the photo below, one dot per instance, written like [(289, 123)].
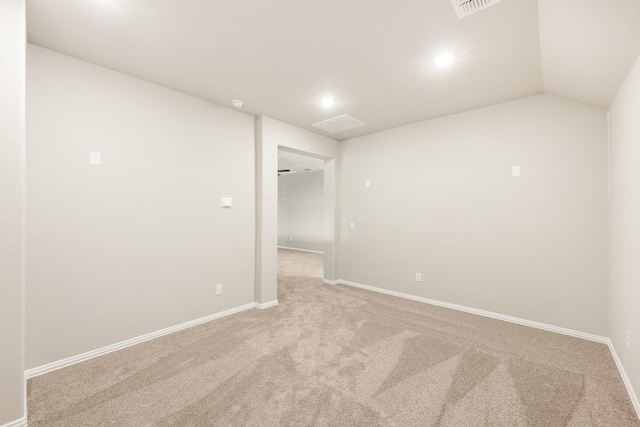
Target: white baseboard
[(329, 282), (22, 422), (479, 312), (301, 250), (49, 367), (268, 304), (625, 378), (605, 340)]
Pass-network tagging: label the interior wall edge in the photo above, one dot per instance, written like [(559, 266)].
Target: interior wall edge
[(624, 228), (264, 305), (270, 135), (625, 377), (12, 211)]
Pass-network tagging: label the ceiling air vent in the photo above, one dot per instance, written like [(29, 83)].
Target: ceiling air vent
[(465, 8), (339, 124)]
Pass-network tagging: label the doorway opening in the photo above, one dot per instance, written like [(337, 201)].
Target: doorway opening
[(270, 136), (300, 202), (301, 199)]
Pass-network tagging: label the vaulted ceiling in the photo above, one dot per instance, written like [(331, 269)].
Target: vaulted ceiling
[(374, 57)]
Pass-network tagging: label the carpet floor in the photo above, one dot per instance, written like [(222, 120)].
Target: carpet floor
[(340, 356)]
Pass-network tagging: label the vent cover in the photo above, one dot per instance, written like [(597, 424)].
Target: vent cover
[(339, 124), (465, 8)]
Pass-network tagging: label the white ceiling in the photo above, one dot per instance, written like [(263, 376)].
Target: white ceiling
[(374, 56), (298, 163), (588, 47)]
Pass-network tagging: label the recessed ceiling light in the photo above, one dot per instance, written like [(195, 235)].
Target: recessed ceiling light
[(327, 102), (237, 103), (444, 60)]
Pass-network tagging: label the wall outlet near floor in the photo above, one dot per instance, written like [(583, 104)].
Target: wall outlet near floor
[(418, 277), (218, 289), (628, 340), (291, 239)]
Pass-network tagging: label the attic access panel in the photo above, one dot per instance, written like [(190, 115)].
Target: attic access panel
[(339, 124)]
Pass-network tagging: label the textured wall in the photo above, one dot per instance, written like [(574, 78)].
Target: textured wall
[(12, 166), (624, 225), (442, 202), (139, 243)]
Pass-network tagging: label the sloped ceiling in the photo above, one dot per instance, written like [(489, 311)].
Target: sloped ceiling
[(375, 57), (588, 47)]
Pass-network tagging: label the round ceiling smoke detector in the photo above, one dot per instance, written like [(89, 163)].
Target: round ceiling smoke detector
[(237, 103)]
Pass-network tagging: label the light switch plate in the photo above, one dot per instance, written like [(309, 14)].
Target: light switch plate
[(226, 202), (515, 171)]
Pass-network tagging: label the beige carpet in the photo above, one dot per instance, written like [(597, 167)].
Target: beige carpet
[(338, 356)]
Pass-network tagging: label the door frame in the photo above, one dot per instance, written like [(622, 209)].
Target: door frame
[(270, 135)]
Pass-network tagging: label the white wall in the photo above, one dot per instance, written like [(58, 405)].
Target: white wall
[(137, 244), (442, 202), (283, 215), (271, 134), (301, 211), (12, 170), (624, 224)]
